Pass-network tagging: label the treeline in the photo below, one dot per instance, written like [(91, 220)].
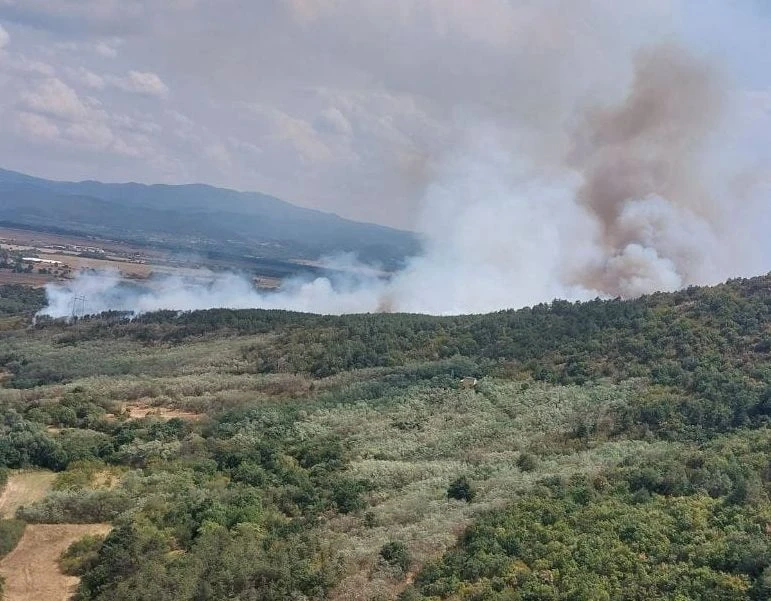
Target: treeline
[(706, 348), (560, 342)]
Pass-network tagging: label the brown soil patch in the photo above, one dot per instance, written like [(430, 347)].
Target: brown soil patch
[(141, 410), (35, 280), (130, 269), (105, 479), (161, 413), (31, 570), (24, 488)]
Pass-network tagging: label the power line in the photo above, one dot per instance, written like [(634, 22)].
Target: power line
[(78, 306)]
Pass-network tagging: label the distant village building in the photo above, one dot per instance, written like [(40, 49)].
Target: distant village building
[(468, 382)]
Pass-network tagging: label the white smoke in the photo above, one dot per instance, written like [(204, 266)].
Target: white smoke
[(99, 291), (638, 201), (497, 235)]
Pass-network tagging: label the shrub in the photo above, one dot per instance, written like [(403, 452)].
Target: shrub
[(527, 462), (77, 507), (10, 534), (410, 594), (397, 555), (81, 556), (347, 494), (461, 489)]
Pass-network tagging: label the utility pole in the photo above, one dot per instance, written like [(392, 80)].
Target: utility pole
[(78, 306)]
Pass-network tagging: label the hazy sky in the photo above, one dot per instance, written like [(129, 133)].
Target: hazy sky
[(351, 106)]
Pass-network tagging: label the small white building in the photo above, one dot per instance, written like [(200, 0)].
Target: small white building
[(40, 261)]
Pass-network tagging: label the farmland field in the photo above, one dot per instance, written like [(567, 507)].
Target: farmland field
[(36, 280)]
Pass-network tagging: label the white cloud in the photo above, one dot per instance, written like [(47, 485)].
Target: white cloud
[(4, 38), (52, 110), (90, 133), (139, 82), (38, 126), (22, 65), (331, 120), (219, 153), (134, 82), (87, 78), (106, 49), (290, 132), (52, 97)]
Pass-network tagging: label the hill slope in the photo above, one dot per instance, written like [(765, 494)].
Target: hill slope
[(610, 449), (195, 217)]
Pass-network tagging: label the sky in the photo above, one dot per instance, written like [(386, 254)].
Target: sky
[(350, 106)]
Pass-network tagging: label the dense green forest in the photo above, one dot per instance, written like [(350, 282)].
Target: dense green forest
[(610, 449)]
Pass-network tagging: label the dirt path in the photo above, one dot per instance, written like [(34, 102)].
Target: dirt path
[(31, 571), (24, 488)]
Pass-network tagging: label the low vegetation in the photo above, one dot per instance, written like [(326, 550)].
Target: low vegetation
[(10, 534), (609, 450)]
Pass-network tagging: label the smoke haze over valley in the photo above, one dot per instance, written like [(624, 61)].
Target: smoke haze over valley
[(640, 204)]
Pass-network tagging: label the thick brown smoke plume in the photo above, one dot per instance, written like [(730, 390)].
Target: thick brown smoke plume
[(641, 163)]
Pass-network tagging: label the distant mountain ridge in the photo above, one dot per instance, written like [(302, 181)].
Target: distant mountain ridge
[(195, 217)]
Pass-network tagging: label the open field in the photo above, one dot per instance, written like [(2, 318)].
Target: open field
[(35, 280), (127, 268), (31, 570), (36, 239), (131, 261), (24, 488)]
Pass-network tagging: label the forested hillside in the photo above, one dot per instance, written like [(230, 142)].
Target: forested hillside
[(609, 450)]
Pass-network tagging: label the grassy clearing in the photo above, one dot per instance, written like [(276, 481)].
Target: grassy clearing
[(31, 571), (24, 488)]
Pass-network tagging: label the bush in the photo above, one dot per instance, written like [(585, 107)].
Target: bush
[(461, 490), (410, 594), (10, 535), (397, 555), (77, 507), (527, 462), (81, 556)]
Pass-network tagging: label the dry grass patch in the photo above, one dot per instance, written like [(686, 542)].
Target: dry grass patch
[(145, 409), (24, 488), (31, 571)]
